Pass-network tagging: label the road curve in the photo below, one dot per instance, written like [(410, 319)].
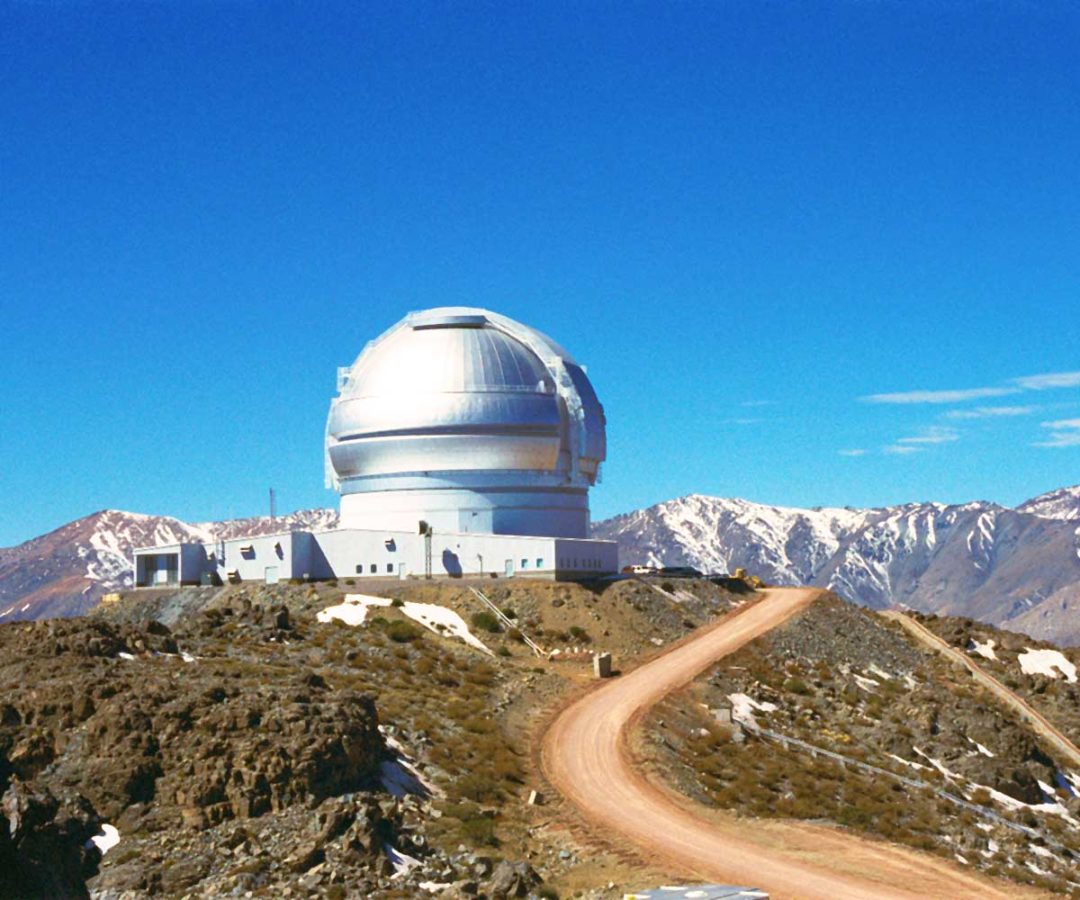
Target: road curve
[(587, 756), (1038, 722)]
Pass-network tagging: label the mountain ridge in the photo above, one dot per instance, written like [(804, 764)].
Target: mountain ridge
[(1015, 567), (977, 559)]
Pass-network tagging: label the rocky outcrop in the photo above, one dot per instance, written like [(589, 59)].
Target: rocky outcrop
[(45, 846)]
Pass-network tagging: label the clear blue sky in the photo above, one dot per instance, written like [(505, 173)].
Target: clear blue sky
[(745, 218)]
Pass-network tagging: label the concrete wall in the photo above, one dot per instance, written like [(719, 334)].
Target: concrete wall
[(362, 554), (287, 555), (578, 558), (541, 512)]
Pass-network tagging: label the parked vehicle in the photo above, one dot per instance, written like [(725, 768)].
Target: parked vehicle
[(680, 572)]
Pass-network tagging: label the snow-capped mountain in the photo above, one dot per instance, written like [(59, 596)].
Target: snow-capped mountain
[(976, 559), (66, 571), (1019, 568), (1063, 503)]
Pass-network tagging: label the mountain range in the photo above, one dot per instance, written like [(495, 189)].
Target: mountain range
[(1014, 568)]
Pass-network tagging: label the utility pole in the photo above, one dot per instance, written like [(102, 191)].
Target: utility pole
[(426, 530)]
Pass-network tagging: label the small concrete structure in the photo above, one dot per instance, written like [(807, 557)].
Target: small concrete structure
[(601, 664)]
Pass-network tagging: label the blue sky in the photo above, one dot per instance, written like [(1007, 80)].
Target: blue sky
[(775, 232)]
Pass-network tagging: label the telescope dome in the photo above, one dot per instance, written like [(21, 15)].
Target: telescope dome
[(470, 421)]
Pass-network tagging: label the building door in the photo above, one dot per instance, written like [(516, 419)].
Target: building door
[(271, 574), (509, 568)]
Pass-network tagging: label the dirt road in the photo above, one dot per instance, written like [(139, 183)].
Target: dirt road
[(587, 755), (1039, 723)]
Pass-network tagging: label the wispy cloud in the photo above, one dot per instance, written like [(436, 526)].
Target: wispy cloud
[(1048, 380), (753, 404), (935, 434), (990, 412), (853, 452), (1063, 433), (959, 396), (1044, 382), (744, 421), (916, 443)]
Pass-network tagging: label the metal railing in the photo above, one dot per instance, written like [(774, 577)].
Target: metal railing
[(507, 621)]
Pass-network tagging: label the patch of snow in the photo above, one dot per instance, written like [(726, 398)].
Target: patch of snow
[(982, 749), (401, 862), (1012, 804), (435, 887), (1051, 663), (985, 649), (874, 669), (188, 658), (443, 621), (960, 859), (1043, 852), (1036, 869), (867, 684), (743, 706), (1068, 782), (937, 764), (27, 606), (400, 776), (398, 780), (123, 655), (907, 762), (353, 611), (105, 841)]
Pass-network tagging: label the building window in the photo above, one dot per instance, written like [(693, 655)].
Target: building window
[(389, 567), (374, 568), (539, 562), (359, 568), (524, 564)]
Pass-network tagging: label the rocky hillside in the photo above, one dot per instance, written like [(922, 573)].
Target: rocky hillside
[(838, 716), (302, 741), (66, 571), (246, 738), (1018, 568)]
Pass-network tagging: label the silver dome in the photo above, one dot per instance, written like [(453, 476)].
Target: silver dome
[(471, 419)]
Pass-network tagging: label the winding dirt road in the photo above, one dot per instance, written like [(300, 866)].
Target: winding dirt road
[(587, 755), (1038, 722)]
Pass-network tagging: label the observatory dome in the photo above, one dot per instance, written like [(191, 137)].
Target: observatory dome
[(469, 421)]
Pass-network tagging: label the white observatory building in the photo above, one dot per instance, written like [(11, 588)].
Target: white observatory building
[(470, 421), (462, 443)]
